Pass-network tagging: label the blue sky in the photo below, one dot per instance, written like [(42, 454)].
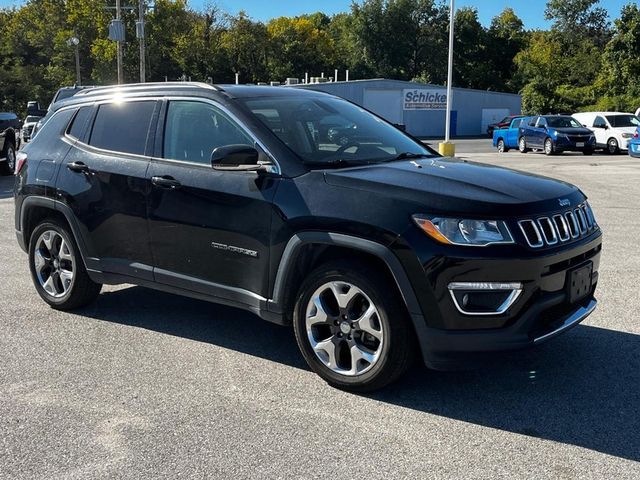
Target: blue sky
[(531, 11)]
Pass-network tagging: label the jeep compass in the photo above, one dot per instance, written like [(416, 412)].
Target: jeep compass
[(309, 211)]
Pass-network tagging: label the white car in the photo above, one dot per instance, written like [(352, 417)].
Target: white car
[(613, 130)]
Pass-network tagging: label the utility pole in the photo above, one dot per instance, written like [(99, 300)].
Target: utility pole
[(447, 148), (140, 33), (119, 47)]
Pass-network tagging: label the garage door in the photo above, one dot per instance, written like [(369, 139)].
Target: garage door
[(386, 103), (492, 115)]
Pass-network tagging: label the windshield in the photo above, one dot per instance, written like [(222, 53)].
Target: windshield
[(327, 130), (563, 122), (617, 121)]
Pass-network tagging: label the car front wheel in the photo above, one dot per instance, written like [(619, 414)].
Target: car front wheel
[(350, 330), (549, 149), (522, 145), (8, 166)]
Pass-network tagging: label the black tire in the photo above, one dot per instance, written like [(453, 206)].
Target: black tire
[(8, 166), (522, 145), (397, 350), (82, 290), (612, 147), (549, 147)]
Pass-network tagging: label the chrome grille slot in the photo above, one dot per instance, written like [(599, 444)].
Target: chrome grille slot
[(548, 231), (582, 221), (531, 233), (561, 227), (573, 224), (587, 217)]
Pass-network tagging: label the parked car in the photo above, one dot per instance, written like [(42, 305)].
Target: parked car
[(505, 139), (371, 249), (634, 144), (27, 127), (10, 126), (555, 134), (504, 123), (613, 130)]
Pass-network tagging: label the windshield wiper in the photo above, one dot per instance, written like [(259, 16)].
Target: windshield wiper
[(409, 155), (340, 162)]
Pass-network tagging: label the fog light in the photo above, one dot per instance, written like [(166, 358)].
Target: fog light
[(484, 298)]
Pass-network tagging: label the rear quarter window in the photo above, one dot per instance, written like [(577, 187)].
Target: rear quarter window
[(79, 123), (122, 127)]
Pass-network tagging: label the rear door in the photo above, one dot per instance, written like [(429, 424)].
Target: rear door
[(539, 132), (600, 130), (210, 230), (105, 183)]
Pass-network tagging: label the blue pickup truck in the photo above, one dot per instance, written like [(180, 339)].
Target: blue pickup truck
[(507, 138)]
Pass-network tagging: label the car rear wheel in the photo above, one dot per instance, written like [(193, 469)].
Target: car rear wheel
[(549, 148), (57, 268), (8, 166), (350, 330), (502, 148), (522, 145), (612, 146)]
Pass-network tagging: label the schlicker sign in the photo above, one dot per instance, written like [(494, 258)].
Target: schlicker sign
[(424, 99)]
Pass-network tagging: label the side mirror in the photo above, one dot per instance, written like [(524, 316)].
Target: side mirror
[(236, 158)]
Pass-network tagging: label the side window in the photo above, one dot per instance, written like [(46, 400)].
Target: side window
[(599, 122), (532, 122), (79, 122), (541, 122), (194, 129), (122, 127)]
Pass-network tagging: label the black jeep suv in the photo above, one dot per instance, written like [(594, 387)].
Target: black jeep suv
[(370, 244)]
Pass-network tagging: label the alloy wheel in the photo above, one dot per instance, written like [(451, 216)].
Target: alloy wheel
[(522, 145), (612, 146), (11, 158), (344, 328), (54, 263), (500, 146), (548, 146)]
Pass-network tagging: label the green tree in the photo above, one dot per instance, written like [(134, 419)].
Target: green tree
[(506, 37), (246, 46)]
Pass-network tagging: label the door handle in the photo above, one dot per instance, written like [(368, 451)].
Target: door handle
[(166, 182), (78, 167)]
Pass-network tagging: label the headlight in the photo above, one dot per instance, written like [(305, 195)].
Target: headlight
[(460, 231), (627, 135)]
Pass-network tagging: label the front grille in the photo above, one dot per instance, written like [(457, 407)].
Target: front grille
[(561, 227), (578, 138)]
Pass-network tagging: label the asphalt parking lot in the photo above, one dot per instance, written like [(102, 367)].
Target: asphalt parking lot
[(145, 384)]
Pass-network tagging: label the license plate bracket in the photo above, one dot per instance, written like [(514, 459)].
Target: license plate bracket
[(579, 282)]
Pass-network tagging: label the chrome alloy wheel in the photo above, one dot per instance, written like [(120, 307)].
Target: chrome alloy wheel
[(344, 328), (54, 263), (11, 158)]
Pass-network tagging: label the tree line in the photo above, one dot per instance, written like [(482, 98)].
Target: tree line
[(583, 61)]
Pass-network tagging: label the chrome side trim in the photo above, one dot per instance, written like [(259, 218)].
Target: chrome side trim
[(515, 287), (575, 318)]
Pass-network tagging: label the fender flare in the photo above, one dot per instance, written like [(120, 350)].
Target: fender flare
[(293, 249), (46, 202)]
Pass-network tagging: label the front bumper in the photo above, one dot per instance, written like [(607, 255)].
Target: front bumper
[(543, 310), (567, 145)]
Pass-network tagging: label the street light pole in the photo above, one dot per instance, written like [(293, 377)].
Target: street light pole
[(119, 47), (75, 42), (447, 148), (140, 32)]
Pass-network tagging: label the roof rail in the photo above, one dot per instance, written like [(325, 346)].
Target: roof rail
[(145, 86)]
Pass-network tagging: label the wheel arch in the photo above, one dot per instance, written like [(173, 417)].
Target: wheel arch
[(305, 250), (35, 209)]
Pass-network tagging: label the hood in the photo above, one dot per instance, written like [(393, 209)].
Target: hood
[(573, 130), (452, 186)]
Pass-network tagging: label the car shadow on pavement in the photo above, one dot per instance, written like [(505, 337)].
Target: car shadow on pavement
[(6, 186), (583, 388)]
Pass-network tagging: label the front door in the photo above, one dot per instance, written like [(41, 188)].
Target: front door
[(600, 131), (210, 230), (105, 178)]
